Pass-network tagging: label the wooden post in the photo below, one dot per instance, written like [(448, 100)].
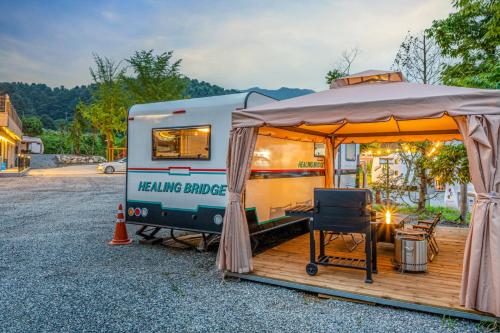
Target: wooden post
[(333, 160)]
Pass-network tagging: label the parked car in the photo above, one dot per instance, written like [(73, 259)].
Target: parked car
[(112, 167)]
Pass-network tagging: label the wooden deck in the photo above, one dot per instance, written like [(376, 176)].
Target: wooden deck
[(436, 291)]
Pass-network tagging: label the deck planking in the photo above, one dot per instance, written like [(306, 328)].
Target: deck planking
[(438, 288)]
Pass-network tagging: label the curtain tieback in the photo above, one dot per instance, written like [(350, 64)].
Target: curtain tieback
[(491, 197), (234, 197)]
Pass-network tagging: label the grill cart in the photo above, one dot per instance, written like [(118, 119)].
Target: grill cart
[(343, 211)]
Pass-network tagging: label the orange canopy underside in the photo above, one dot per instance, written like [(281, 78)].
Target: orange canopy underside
[(433, 129)]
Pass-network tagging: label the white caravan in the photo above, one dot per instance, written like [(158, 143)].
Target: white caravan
[(176, 173)]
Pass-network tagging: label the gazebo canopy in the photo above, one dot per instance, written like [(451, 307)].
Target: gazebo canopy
[(381, 106), (375, 106)]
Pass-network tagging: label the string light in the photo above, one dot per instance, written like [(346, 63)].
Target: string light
[(434, 149), (404, 147)]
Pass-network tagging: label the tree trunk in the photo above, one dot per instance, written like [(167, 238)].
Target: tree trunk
[(109, 145), (77, 145), (422, 190), (463, 202)]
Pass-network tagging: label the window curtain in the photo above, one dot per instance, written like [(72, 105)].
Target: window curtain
[(481, 266), (235, 252)]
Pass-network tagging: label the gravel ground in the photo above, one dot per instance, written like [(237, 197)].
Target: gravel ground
[(57, 273)]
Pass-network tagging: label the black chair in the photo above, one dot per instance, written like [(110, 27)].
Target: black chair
[(343, 211)]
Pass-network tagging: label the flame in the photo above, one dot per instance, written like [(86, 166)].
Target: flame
[(387, 217)]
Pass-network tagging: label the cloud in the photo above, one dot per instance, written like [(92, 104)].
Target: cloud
[(234, 44), (110, 15)]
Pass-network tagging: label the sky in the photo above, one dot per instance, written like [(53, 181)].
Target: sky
[(234, 44)]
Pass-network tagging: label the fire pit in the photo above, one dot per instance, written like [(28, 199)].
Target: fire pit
[(389, 223)]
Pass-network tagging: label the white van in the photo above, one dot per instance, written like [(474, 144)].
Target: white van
[(176, 173)]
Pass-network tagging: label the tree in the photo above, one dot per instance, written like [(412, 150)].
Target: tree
[(451, 166), (343, 66), (37, 99), (416, 156), (32, 126), (47, 121), (470, 37), (76, 128), (108, 111), (419, 59), (156, 77), (389, 183), (197, 88)]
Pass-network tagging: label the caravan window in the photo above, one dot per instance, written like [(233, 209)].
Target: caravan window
[(191, 143)]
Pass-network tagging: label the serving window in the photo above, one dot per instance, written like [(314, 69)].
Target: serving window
[(175, 143)]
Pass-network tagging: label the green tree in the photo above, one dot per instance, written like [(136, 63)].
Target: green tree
[(55, 142), (343, 65), (470, 37), (77, 128), (32, 126), (156, 78), (37, 99), (334, 74), (47, 121), (417, 156), (451, 166), (108, 111), (389, 182)]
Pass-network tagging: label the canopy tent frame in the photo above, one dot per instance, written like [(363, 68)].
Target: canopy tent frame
[(363, 112), (369, 135)]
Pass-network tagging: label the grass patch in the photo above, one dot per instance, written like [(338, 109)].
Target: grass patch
[(489, 326), (449, 214)]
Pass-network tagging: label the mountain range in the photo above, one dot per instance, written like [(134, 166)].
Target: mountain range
[(282, 93), (55, 105)]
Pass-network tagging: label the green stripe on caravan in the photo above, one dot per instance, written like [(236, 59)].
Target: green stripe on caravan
[(177, 187)]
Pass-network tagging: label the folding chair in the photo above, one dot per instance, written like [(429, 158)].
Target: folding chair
[(334, 235), (429, 227)]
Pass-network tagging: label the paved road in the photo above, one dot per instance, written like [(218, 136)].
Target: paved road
[(74, 170), (58, 274)]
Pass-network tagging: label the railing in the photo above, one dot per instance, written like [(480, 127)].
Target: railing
[(115, 153), (15, 118), (6, 106)]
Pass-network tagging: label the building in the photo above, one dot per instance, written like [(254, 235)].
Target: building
[(10, 132), (346, 164), (31, 145)]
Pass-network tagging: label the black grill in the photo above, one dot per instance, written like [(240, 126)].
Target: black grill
[(343, 211)]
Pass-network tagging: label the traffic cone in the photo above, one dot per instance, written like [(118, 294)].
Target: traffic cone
[(120, 237)]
